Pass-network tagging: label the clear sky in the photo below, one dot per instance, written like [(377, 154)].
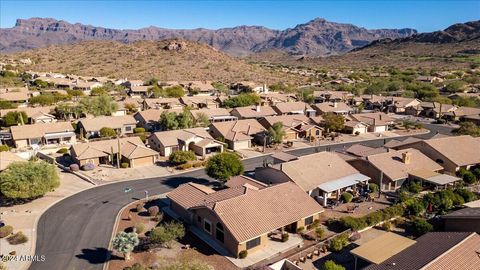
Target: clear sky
[(424, 16)]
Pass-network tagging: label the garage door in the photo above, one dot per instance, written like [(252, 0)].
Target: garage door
[(145, 161), (241, 145)]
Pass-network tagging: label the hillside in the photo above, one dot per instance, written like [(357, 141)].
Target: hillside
[(146, 59), (317, 37)]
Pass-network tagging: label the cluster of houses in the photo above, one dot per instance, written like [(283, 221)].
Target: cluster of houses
[(292, 191)]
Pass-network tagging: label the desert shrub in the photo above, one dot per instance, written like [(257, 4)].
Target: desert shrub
[(181, 157), (320, 232), (331, 265), (415, 207), (347, 197), (373, 188), (371, 219), (74, 167), (353, 223), (4, 148), (153, 211), (62, 151), (285, 237), (139, 208), (139, 228), (414, 187), (17, 238), (339, 242), (198, 164), (88, 167), (124, 165), (165, 234), (475, 171), (420, 227), (138, 130), (466, 194), (243, 254), (469, 178), (6, 231), (185, 166), (387, 226), (300, 229)]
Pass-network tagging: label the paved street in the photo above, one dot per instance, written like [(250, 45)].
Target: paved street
[(74, 233)]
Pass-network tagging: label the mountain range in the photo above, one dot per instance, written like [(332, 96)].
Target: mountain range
[(317, 37)]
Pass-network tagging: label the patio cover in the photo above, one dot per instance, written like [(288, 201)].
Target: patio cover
[(59, 135), (382, 248), (343, 182), (434, 177)]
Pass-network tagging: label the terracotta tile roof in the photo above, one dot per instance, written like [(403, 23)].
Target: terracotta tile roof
[(251, 111), (378, 119), (312, 170), (248, 213), (430, 248), (360, 150), (287, 120), (464, 256), (193, 100), (39, 130), (210, 113), (392, 165), (97, 123), (131, 147), (238, 181), (461, 150), (396, 143), (6, 158), (238, 130), (327, 107), (289, 107), (172, 137), (157, 103)]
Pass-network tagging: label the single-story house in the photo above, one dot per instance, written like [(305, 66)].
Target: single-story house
[(43, 134), (18, 95), (431, 251), (90, 127), (198, 102), (161, 103), (213, 115), (286, 108), (197, 140), (131, 150), (355, 127), (376, 122), (295, 126), (460, 113), (331, 96), (253, 112), (199, 87), (34, 114), (452, 153), (150, 119), (237, 134), (139, 91), (332, 107), (323, 175), (242, 217), (272, 98), (391, 169)]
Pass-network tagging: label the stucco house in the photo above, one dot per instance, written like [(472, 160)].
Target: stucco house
[(43, 134), (237, 134), (90, 127)]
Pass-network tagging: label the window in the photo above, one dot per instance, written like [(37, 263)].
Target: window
[(317, 132), (253, 243), (308, 221), (219, 232), (128, 128), (207, 226)]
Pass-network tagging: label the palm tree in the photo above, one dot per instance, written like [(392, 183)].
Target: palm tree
[(125, 243)]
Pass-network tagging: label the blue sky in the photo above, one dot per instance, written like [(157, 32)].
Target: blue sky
[(424, 16)]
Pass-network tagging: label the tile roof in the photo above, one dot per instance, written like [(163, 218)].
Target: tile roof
[(251, 111), (373, 118), (39, 130), (97, 123), (130, 147), (210, 113), (289, 107), (312, 170), (461, 150), (427, 249), (238, 130), (327, 107), (469, 212), (288, 121), (392, 165), (465, 256), (172, 137), (248, 213), (241, 180), (360, 150), (192, 100)]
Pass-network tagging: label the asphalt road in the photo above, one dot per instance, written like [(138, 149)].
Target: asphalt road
[(74, 234)]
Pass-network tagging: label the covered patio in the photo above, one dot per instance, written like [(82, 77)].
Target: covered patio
[(433, 179), (333, 189)]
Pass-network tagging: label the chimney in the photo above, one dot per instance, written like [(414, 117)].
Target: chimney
[(406, 157), (335, 104), (257, 108)]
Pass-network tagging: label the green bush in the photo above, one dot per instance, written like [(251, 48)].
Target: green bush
[(138, 130), (466, 194), (475, 171), (420, 227), (185, 166), (4, 148), (17, 238), (331, 265), (106, 132), (243, 254), (124, 165), (387, 226), (181, 157), (166, 233), (353, 223), (347, 197), (371, 219), (320, 232), (139, 228), (62, 151), (414, 187), (339, 242), (285, 237), (300, 229), (469, 178), (373, 188), (415, 207), (6, 231)]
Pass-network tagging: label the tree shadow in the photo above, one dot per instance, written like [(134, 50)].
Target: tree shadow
[(176, 181), (97, 255)]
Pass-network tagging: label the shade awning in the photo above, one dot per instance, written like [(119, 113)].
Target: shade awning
[(343, 182), (382, 247), (59, 135)]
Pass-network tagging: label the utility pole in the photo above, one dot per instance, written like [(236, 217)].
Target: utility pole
[(381, 181), (118, 152)]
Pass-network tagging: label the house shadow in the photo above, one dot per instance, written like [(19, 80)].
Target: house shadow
[(178, 180), (97, 255)]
